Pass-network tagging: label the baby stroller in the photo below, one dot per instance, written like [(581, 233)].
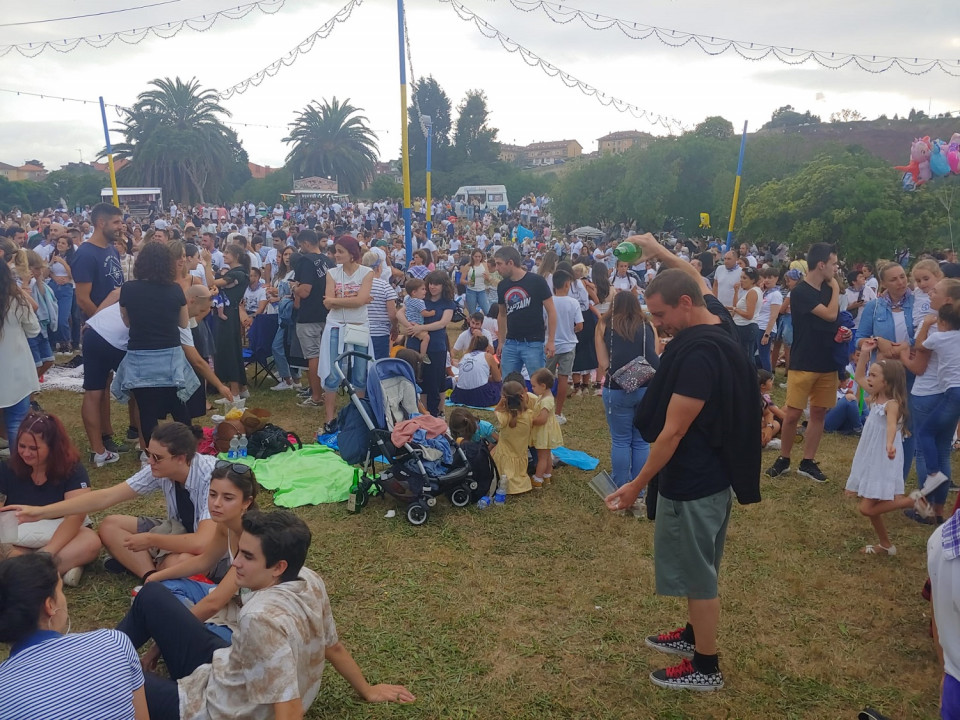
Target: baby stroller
[(415, 473)]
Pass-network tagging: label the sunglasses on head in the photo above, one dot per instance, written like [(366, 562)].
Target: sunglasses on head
[(237, 468)]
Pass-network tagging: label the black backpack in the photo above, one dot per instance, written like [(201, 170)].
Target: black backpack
[(484, 468), (271, 440)]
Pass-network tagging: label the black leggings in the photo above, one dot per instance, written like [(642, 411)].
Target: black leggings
[(154, 404), (185, 644), (432, 380)]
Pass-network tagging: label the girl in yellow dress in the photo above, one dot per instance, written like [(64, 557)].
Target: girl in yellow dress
[(545, 434), (515, 417)]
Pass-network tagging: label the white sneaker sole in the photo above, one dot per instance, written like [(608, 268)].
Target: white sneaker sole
[(668, 650), (677, 686), (932, 483)]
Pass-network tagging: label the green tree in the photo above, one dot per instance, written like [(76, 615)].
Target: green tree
[(266, 190), (176, 140), (473, 139), (715, 127), (331, 139), (77, 184), (786, 116), (384, 186)]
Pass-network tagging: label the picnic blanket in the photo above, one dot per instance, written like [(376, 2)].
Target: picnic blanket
[(61, 377), (472, 407)]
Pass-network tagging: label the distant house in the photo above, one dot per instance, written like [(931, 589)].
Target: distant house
[(23, 172), (618, 142), (551, 153), (512, 154), (259, 172), (103, 167)]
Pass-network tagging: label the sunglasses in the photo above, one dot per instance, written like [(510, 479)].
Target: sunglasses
[(157, 458), (233, 467)]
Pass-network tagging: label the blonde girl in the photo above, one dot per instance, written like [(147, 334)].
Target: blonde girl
[(876, 476), (546, 434), (926, 274)]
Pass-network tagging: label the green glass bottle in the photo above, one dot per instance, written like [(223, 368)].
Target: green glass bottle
[(628, 252)]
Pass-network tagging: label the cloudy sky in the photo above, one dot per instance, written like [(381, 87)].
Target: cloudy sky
[(360, 61)]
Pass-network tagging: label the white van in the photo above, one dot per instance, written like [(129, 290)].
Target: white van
[(488, 197)]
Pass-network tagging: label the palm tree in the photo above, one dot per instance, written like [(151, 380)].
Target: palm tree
[(331, 139), (175, 140)]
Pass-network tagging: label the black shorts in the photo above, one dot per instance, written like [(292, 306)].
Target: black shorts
[(100, 358)]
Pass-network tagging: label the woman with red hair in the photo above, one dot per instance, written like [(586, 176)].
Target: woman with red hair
[(45, 468)]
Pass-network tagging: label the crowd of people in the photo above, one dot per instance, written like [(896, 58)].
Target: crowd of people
[(682, 347)]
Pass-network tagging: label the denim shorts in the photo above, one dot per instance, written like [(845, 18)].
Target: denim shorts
[(40, 347)]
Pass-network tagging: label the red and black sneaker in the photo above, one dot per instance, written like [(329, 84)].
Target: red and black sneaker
[(686, 677), (671, 643)]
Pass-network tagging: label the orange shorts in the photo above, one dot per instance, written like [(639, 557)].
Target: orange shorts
[(819, 388)]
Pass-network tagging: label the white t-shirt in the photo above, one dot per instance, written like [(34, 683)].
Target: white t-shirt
[(252, 298), (852, 295), (945, 586), (491, 326), (947, 346), (774, 297), (726, 279), (568, 315), (466, 337), (929, 383), (255, 260), (108, 324), (921, 307), (627, 283)]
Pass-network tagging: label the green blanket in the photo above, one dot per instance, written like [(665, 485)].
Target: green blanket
[(312, 475)]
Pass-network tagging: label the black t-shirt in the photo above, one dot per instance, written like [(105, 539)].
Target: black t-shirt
[(154, 313), (726, 319), (696, 469), (23, 491), (311, 270), (523, 300), (98, 266), (812, 348)]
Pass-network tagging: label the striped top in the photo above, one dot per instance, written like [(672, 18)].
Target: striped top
[(382, 292), (71, 677)]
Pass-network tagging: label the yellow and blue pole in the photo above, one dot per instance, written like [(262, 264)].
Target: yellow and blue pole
[(736, 189), (429, 197), (404, 146), (106, 135)]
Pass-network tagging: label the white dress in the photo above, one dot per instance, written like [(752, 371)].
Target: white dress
[(873, 475)]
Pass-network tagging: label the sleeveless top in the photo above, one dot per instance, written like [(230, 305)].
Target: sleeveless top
[(474, 371)]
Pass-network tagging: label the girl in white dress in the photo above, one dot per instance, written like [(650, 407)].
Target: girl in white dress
[(876, 476)]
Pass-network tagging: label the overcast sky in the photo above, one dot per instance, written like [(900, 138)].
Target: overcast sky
[(360, 61)]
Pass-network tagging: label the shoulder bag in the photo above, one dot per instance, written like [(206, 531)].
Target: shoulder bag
[(636, 373)]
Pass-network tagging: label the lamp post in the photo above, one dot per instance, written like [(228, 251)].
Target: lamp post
[(426, 124)]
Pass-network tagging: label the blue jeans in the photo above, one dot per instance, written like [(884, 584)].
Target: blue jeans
[(12, 417), (748, 339), (763, 352), (943, 417), (628, 450), (64, 295), (517, 354), (844, 417), (279, 355), (358, 375), (190, 592), (922, 408), (477, 299)]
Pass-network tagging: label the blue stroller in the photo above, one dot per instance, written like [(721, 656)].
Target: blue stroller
[(417, 472)]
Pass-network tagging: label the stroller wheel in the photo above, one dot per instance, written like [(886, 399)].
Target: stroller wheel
[(460, 497), (416, 513), (431, 501), (473, 484)]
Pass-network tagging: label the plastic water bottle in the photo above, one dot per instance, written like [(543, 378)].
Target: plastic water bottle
[(242, 447), (234, 448)]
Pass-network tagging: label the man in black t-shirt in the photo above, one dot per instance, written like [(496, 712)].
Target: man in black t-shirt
[(523, 297), (814, 305), (310, 276)]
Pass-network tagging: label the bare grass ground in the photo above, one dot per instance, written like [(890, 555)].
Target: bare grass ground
[(540, 608)]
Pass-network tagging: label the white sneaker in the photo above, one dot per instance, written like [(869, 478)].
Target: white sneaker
[(933, 482), (283, 385), (773, 444), (105, 458), (245, 394), (71, 578), (561, 420)]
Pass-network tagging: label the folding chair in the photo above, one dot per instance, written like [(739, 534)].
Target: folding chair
[(259, 350)]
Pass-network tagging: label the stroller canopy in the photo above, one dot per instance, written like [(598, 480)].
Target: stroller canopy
[(392, 391)]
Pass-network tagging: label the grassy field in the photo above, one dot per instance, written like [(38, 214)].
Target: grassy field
[(539, 609)]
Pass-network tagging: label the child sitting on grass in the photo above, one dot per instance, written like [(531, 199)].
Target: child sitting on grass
[(414, 313), (772, 415), (464, 425)]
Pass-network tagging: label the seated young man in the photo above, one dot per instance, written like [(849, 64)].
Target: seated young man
[(285, 635), (464, 339), (143, 545)]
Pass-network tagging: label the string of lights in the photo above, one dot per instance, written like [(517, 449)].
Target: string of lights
[(134, 36), (712, 45), (88, 15), (305, 46), (534, 60)]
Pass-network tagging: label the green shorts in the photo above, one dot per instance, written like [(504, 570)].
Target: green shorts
[(688, 544)]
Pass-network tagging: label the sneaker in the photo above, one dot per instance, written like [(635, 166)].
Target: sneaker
[(561, 420), (110, 444), (425, 359), (105, 458), (71, 578), (779, 467), (311, 403), (686, 677), (132, 433), (114, 566), (774, 444), (917, 517), (283, 385), (537, 483), (35, 406), (499, 498), (244, 395), (671, 643), (933, 482), (331, 427), (810, 469)]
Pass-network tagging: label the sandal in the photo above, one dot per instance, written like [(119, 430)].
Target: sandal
[(879, 550), (921, 505)]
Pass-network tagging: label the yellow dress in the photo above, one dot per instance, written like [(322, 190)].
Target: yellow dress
[(510, 454), (547, 436)]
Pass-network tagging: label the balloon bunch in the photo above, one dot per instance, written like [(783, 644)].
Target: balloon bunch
[(929, 160)]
